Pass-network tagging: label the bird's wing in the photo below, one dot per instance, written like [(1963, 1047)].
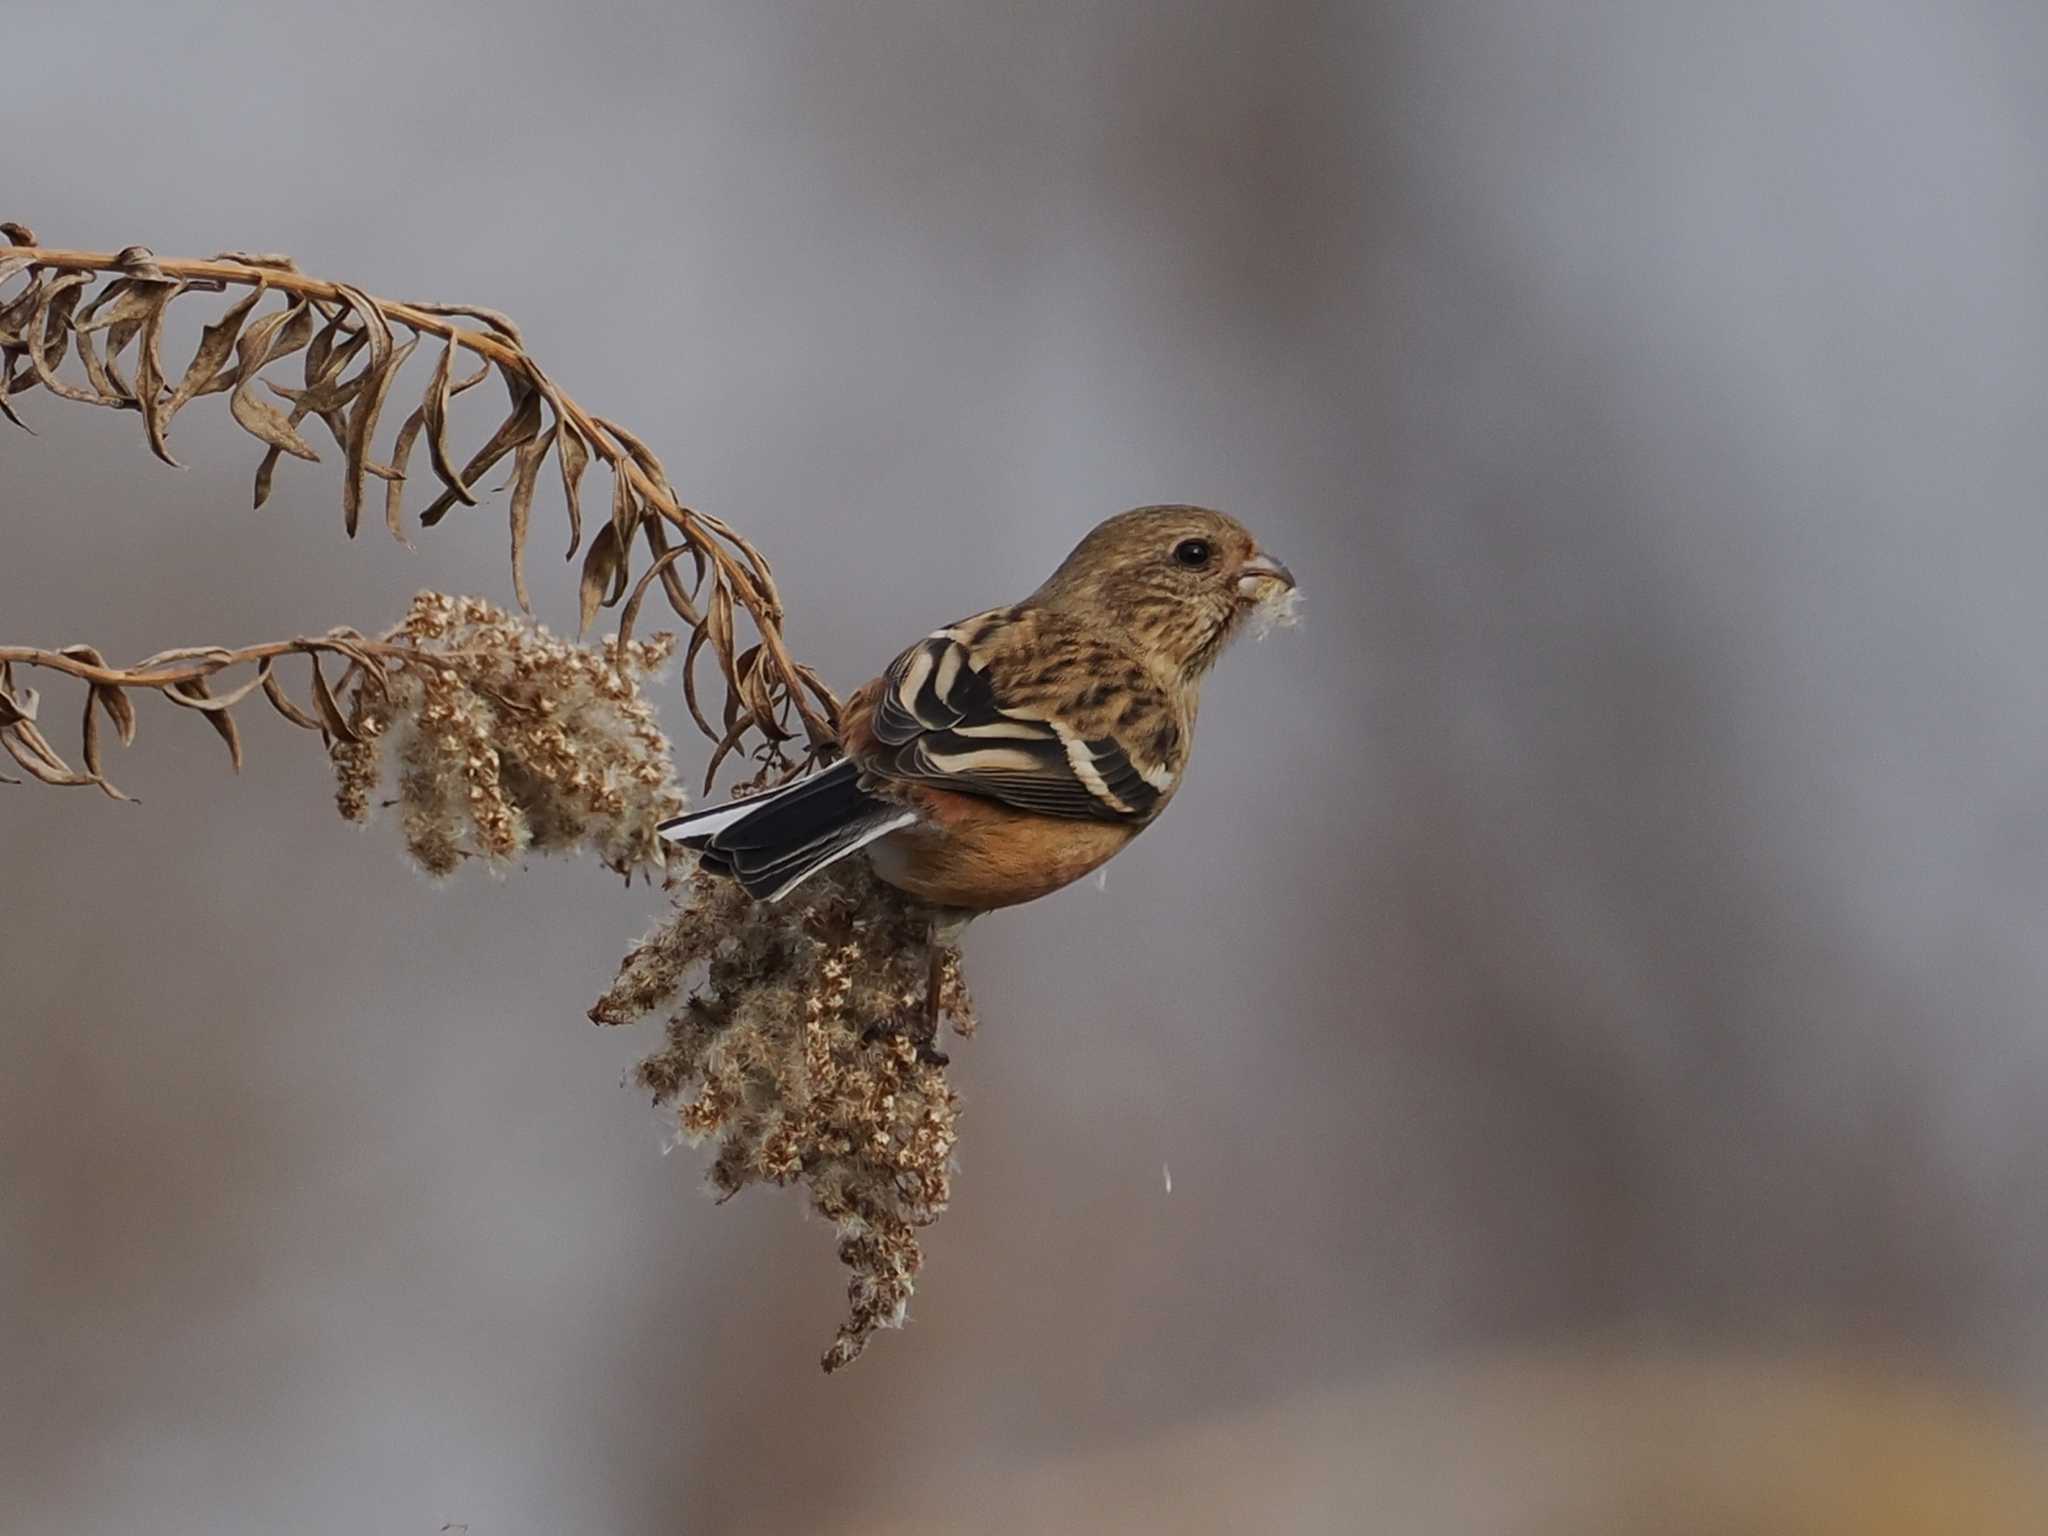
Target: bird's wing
[(996, 707)]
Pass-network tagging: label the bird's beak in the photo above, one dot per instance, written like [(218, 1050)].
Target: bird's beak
[(1255, 574)]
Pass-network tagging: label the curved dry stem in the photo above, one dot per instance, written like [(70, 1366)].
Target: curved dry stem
[(182, 677), (80, 301)]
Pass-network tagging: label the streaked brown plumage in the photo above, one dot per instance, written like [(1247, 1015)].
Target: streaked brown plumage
[(1013, 752)]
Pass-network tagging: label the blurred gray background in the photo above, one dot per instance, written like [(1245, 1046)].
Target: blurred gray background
[(1595, 962)]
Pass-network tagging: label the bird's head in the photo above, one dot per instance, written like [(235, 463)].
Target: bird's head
[(1179, 581)]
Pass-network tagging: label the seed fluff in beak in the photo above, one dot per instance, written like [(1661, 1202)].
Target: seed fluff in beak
[(1269, 588)]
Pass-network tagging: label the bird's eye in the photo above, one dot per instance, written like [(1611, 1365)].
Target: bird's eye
[(1193, 553)]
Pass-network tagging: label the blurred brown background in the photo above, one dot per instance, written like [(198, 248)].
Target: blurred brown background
[(1588, 995)]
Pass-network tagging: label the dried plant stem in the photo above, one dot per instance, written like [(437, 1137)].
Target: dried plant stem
[(288, 281), (181, 677), (752, 581), (768, 693), (195, 662)]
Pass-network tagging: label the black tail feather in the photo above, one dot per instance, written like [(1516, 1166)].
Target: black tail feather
[(791, 833)]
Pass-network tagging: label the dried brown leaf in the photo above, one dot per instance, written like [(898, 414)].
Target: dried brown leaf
[(195, 695), (264, 420), (321, 346), (574, 455), (7, 358), (495, 319), (627, 507), (362, 421), (643, 456), (120, 710), (280, 701), (671, 580), (15, 313), (261, 344), (604, 575), (89, 743), (324, 399), (27, 747), (16, 704), (280, 342), (216, 341), (720, 752), (45, 346), (332, 720), (698, 640), (521, 424), (277, 261), (401, 452), (214, 653), (139, 261), (401, 456), (372, 325), (526, 471), (88, 355), (149, 371), (434, 407), (630, 614), (124, 302), (718, 624)]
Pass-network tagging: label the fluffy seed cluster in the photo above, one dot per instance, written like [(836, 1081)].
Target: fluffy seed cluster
[(508, 739), (804, 1049)]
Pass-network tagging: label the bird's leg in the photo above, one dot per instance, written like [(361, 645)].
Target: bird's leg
[(928, 1048)]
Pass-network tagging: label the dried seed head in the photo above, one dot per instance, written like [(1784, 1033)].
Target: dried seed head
[(509, 739), (799, 1051)]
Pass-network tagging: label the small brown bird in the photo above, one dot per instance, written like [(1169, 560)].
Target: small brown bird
[(1009, 754)]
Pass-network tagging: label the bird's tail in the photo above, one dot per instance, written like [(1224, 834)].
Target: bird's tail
[(772, 843)]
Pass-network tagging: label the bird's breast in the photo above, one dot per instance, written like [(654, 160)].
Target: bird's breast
[(976, 853)]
